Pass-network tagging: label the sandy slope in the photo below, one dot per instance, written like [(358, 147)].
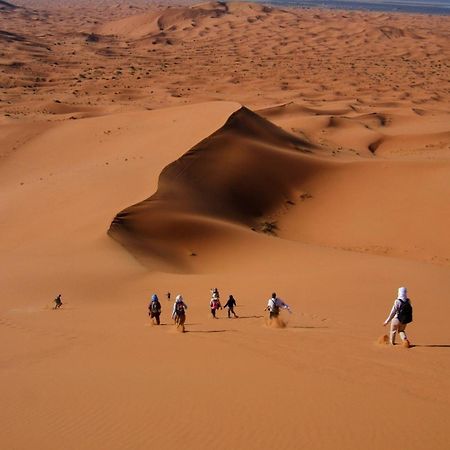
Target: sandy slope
[(74, 176), (355, 181), (96, 373)]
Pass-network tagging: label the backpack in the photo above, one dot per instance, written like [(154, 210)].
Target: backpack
[(274, 308), (155, 307), (404, 314), (179, 308)]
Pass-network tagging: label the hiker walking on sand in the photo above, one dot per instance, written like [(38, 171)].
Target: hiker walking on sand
[(230, 304), (274, 305), (400, 316), (215, 303), (154, 309), (179, 311), (58, 302)]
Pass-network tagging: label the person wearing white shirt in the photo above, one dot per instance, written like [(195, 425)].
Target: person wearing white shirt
[(274, 305)]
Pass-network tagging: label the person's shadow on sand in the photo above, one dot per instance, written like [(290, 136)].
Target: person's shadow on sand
[(431, 345), (250, 317), (209, 331)]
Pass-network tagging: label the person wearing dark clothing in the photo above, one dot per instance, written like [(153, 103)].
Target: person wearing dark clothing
[(154, 309), (230, 304), (58, 302)]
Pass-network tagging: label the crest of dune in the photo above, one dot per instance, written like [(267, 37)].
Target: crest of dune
[(239, 174)]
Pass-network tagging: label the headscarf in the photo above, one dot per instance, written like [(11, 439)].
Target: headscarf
[(154, 298), (179, 298), (402, 293)]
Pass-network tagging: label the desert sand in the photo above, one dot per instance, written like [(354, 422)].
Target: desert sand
[(147, 147)]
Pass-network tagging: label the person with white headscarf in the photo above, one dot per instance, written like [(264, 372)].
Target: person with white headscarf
[(400, 316), (179, 312)]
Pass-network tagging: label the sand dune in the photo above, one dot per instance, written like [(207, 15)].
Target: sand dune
[(171, 19), (239, 174), (301, 56), (5, 6), (253, 174), (392, 131), (329, 186)]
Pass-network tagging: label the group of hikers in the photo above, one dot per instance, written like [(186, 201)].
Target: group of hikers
[(180, 307), (178, 310), (274, 306), (215, 304), (399, 316)]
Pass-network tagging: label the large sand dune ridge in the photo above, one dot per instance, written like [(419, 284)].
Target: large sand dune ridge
[(253, 174)]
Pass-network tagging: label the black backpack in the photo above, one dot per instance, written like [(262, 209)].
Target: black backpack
[(405, 312), (179, 308), (155, 307)]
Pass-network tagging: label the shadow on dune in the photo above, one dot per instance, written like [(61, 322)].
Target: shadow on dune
[(228, 183)]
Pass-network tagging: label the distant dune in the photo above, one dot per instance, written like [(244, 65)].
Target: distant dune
[(151, 56), (6, 6), (181, 23), (171, 19)]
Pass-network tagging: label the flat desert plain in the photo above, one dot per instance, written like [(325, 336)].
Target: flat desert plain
[(153, 148)]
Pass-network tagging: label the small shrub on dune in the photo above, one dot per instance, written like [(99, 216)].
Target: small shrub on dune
[(305, 196), (269, 228)]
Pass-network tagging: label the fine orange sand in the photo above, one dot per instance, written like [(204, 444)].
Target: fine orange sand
[(147, 148)]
